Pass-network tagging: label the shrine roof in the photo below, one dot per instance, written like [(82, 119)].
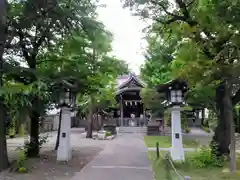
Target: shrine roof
[(124, 80)]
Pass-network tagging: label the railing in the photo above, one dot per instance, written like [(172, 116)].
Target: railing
[(133, 122)]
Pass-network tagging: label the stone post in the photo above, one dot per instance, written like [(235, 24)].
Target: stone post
[(64, 152), (145, 119), (121, 111), (177, 151)]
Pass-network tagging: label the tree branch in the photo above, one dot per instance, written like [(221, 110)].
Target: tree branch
[(236, 98), (183, 8), (174, 17)]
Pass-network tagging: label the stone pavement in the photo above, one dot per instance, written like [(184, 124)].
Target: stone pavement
[(77, 140), (125, 158)]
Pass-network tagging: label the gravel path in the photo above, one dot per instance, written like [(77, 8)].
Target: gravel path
[(46, 167)]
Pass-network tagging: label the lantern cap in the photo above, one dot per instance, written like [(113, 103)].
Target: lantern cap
[(64, 85), (176, 84)]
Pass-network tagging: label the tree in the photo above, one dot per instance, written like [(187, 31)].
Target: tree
[(3, 145), (210, 37), (152, 100), (35, 27), (183, 23), (101, 93), (159, 56)]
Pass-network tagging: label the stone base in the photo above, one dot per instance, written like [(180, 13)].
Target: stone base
[(64, 154), (104, 138), (177, 154)]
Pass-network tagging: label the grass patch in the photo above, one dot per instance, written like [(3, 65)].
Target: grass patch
[(165, 142), (185, 169)]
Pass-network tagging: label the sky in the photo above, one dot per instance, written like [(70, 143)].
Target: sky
[(128, 43)]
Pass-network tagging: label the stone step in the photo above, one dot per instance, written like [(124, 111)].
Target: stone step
[(132, 130)]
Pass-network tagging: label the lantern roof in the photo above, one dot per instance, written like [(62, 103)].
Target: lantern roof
[(65, 84), (173, 84)]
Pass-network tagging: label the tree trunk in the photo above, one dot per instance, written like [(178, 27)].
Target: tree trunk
[(33, 149), (229, 113), (236, 119), (12, 129), (90, 125), (90, 119), (59, 130), (222, 131), (233, 161), (3, 145), (203, 122)]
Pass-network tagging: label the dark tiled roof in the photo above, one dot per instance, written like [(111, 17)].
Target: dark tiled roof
[(124, 78)]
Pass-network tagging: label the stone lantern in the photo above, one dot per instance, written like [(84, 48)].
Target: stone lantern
[(174, 91), (67, 99)]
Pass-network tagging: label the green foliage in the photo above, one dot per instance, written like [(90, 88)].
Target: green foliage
[(167, 118), (12, 128), (50, 43), (22, 170), (191, 40), (187, 130), (22, 152), (152, 100), (211, 120), (158, 57), (206, 129), (204, 158), (43, 139), (102, 84), (21, 161), (108, 133)]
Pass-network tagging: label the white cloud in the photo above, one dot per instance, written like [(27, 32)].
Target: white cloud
[(128, 41)]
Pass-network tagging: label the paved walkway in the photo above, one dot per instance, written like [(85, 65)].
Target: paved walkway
[(125, 158)]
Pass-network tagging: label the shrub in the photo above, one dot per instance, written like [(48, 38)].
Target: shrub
[(206, 129), (22, 159), (205, 158), (20, 163), (22, 170), (108, 133), (187, 130), (42, 140)]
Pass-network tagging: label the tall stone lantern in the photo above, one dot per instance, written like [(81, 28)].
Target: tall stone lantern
[(174, 91), (67, 99)]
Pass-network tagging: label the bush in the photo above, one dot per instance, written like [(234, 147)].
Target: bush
[(206, 129), (42, 140), (205, 158), (21, 161), (22, 170), (19, 164), (187, 130), (108, 133)]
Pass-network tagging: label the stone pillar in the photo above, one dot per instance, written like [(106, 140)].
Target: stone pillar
[(144, 117), (55, 122), (121, 111), (64, 152), (177, 151)]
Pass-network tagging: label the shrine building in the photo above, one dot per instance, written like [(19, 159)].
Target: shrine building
[(131, 110)]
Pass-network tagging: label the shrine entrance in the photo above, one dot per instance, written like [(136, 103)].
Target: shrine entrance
[(132, 108), (131, 111)]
